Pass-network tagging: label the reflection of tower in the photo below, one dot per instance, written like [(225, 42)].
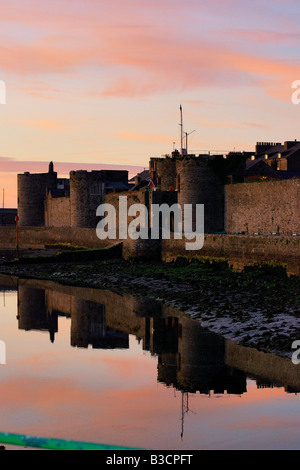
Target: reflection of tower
[(88, 327), (201, 355), (161, 335), (196, 362), (33, 313)]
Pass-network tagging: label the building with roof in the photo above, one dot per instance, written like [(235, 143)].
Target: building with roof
[(269, 159), (140, 181), (259, 168), (281, 157)]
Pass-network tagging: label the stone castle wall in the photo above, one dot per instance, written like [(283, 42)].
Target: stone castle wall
[(141, 247), (39, 237), (239, 249), (265, 207), (57, 211)]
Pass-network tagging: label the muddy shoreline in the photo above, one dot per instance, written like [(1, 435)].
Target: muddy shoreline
[(258, 307)]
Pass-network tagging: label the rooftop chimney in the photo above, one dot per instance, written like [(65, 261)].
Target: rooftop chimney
[(262, 147), (290, 143)]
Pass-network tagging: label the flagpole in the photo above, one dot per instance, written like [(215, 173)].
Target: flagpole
[(181, 125)]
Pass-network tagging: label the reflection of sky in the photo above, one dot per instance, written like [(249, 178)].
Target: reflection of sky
[(112, 396)]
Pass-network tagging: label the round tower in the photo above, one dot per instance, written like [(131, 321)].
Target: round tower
[(79, 197), (197, 184), (86, 194), (31, 197), (166, 173)]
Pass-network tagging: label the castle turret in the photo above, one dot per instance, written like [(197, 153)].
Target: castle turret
[(166, 173), (197, 184), (86, 194), (31, 196)]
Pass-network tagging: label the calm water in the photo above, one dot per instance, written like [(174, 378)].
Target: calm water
[(96, 366)]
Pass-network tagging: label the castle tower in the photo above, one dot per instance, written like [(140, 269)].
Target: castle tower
[(166, 173), (86, 194), (197, 184), (31, 197)]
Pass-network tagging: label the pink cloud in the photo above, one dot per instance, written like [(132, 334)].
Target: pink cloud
[(201, 64), (43, 90), (137, 53), (264, 36)]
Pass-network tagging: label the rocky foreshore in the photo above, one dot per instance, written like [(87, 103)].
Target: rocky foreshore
[(259, 307)]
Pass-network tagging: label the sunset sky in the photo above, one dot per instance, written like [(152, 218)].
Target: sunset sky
[(92, 83)]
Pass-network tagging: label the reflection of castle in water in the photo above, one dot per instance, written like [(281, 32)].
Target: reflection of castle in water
[(39, 309), (190, 358), (197, 362)]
